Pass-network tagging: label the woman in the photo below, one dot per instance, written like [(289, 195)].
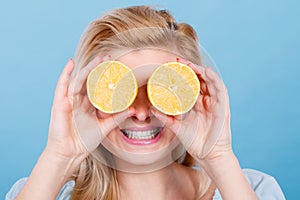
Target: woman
[(89, 154)]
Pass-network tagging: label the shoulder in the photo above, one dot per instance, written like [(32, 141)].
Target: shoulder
[(64, 194), (264, 185)]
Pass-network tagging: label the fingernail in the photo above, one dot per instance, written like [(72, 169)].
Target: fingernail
[(106, 58), (70, 60), (178, 59)]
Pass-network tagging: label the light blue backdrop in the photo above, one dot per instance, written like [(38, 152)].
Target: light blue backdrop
[(255, 44)]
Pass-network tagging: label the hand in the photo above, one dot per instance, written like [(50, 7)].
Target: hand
[(75, 130), (205, 130), (205, 133)]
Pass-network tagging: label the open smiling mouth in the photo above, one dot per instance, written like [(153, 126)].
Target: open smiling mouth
[(141, 135)]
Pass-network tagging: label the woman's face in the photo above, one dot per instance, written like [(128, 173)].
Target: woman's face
[(142, 132)]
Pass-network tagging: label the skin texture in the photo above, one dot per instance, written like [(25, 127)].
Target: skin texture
[(67, 147)]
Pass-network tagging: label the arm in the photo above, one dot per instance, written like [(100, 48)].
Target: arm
[(67, 147), (48, 176), (56, 163), (229, 178), (206, 135)]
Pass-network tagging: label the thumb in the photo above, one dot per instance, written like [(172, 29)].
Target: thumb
[(92, 131), (184, 129), (170, 122), (113, 121)]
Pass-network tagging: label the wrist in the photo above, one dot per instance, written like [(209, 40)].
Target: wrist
[(62, 165), (227, 175), (219, 163), (48, 176)]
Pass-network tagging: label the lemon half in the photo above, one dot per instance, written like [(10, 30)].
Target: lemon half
[(173, 88), (111, 87)]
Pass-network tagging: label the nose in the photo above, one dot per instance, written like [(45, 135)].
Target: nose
[(141, 106)]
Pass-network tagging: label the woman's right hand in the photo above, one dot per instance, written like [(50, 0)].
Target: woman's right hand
[(75, 130)]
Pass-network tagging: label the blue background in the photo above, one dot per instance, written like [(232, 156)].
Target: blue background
[(255, 44)]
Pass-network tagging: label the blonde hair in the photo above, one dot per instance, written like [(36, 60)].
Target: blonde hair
[(95, 180)]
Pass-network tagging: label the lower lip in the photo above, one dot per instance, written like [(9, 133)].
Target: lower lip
[(142, 142)]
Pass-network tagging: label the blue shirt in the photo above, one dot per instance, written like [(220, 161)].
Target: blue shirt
[(265, 187)]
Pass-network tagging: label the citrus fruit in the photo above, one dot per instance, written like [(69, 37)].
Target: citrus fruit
[(173, 88), (111, 87)]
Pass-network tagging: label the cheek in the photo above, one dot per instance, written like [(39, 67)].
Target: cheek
[(114, 133), (102, 115), (168, 134), (114, 136)]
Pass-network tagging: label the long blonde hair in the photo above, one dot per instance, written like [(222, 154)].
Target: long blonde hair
[(95, 180)]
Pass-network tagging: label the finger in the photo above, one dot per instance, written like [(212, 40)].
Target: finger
[(214, 78), (62, 84), (85, 104), (72, 86), (220, 95), (184, 130), (208, 99), (82, 75), (108, 124), (211, 85), (201, 74), (92, 131), (198, 69), (167, 121), (199, 104), (203, 88)]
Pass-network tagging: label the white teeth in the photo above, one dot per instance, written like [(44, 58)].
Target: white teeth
[(141, 135)]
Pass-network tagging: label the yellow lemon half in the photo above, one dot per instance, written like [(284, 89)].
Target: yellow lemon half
[(173, 88), (111, 87)]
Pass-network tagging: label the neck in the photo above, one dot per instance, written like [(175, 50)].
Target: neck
[(170, 182)]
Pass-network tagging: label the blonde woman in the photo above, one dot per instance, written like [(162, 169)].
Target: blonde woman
[(90, 155)]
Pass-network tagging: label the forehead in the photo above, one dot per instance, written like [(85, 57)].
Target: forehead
[(146, 57), (143, 62)]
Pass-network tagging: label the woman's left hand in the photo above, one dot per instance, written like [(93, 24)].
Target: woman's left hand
[(205, 133), (205, 130)]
